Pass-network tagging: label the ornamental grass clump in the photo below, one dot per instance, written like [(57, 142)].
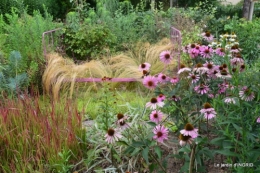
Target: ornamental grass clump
[(34, 131), (61, 73)]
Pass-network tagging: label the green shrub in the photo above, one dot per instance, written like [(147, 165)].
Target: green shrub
[(24, 34), (88, 41)]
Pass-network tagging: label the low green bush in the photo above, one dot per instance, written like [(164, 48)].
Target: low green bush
[(88, 41)]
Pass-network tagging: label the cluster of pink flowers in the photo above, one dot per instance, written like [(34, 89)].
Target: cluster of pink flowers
[(114, 134)]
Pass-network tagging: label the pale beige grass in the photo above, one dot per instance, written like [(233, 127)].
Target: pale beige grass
[(61, 73)]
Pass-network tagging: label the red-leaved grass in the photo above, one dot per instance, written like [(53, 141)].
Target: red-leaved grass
[(34, 130)]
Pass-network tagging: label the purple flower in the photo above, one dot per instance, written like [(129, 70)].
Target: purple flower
[(202, 89), (184, 140), (183, 69), (154, 103), (145, 66), (112, 136), (220, 51), (161, 97), (208, 111), (206, 51), (229, 100), (162, 78), (194, 78), (150, 82), (246, 94), (258, 120), (207, 36), (193, 52), (161, 133), (156, 116), (166, 57), (189, 130), (174, 80)]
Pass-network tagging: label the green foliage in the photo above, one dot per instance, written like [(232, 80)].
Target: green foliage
[(24, 34), (64, 166), (12, 79), (88, 41), (247, 32)]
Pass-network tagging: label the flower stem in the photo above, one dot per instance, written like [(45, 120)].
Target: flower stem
[(192, 158)]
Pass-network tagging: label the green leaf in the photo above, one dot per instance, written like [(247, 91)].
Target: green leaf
[(123, 143), (158, 151), (237, 128), (152, 167), (185, 149), (145, 154), (151, 123), (217, 141), (227, 153), (129, 150), (135, 151), (138, 144)]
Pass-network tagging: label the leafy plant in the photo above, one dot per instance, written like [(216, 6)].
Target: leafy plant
[(88, 41), (12, 79), (23, 29)]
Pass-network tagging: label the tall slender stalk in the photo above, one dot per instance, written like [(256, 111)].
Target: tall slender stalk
[(192, 158)]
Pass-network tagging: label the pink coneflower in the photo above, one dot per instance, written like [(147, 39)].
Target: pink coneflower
[(175, 98), (156, 116), (150, 82), (224, 74), (220, 51), (174, 80), (223, 87), (210, 95), (246, 94), (209, 65), (189, 130), (199, 68), (161, 97), (166, 57), (145, 66), (230, 100), (123, 125), (258, 120), (206, 51), (112, 135), (154, 103), (193, 52), (184, 140), (183, 69), (202, 89), (208, 111), (121, 117), (162, 78), (242, 67), (235, 49), (237, 60), (207, 36), (161, 133), (194, 78)]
